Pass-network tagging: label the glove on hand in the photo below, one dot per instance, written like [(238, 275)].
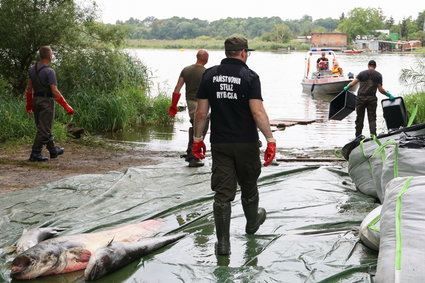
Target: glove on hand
[(199, 149), (390, 96), (269, 153), (61, 100), (28, 107), (173, 108), (347, 87)]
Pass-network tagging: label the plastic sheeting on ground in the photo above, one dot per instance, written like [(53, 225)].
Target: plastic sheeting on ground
[(401, 250), (310, 234)]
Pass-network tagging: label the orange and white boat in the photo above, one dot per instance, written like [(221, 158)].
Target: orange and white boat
[(323, 81)]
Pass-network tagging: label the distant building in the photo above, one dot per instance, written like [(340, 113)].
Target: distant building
[(376, 45), (329, 39)]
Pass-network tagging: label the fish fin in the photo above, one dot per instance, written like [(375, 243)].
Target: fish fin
[(9, 249), (79, 254), (110, 242)]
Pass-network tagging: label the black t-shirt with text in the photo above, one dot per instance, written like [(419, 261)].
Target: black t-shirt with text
[(369, 80), (228, 88)]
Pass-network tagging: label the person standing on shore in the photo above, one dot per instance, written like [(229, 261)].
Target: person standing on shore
[(370, 81), (191, 77), (234, 93), (41, 92)]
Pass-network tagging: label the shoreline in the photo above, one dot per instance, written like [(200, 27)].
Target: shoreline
[(17, 173)]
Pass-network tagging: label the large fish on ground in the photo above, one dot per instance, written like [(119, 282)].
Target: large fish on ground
[(118, 254), (32, 237), (71, 253)]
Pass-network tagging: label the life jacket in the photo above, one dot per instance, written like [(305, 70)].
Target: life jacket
[(323, 65), (335, 71)]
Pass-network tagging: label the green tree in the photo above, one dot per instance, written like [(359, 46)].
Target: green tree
[(25, 25), (280, 33), (361, 21)]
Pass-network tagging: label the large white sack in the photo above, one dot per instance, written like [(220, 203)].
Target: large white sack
[(360, 167), (402, 249), (406, 161), (369, 231)]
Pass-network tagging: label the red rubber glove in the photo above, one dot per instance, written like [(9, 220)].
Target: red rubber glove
[(269, 153), (199, 149), (173, 108), (29, 102), (61, 100)]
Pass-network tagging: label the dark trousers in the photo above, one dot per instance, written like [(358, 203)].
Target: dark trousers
[(232, 164), (368, 103), (44, 112)]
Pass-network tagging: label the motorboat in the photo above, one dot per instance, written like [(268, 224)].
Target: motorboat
[(324, 81), (352, 51)]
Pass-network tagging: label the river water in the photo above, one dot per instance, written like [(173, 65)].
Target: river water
[(280, 74)]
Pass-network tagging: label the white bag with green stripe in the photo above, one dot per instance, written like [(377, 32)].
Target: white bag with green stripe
[(402, 249), (403, 162), (361, 164), (369, 231)]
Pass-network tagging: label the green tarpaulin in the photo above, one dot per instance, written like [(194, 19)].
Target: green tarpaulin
[(310, 235)]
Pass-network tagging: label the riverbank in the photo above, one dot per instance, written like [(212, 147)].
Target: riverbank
[(211, 44), (17, 173)]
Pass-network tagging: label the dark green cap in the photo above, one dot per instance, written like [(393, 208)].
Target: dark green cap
[(236, 43)]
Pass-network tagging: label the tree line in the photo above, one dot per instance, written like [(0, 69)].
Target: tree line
[(357, 22)]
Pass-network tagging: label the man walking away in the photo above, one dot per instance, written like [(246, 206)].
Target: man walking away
[(191, 76), (234, 93), (41, 90), (370, 81)]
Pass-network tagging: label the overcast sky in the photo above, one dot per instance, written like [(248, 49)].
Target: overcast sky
[(113, 10)]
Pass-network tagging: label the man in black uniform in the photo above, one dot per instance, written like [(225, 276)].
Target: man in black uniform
[(234, 93), (41, 90), (370, 80)]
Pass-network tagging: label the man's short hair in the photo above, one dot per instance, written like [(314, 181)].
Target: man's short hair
[(372, 63), (45, 52), (232, 54)]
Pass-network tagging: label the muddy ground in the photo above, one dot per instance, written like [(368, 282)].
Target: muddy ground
[(16, 172)]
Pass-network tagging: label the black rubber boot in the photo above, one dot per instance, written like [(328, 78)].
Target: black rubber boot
[(222, 212), (255, 216), (56, 151), (36, 156)]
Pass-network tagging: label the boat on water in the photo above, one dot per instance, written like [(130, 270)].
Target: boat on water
[(352, 51), (323, 80)]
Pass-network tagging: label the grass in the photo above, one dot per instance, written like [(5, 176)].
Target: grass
[(210, 43), (27, 163), (411, 101)]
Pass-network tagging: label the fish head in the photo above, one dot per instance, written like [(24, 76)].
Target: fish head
[(99, 265), (28, 266), (49, 258)]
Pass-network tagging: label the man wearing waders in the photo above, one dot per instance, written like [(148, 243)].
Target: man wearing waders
[(41, 91), (370, 81), (234, 93), (191, 76)]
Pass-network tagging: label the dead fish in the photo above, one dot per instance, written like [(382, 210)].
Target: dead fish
[(118, 254), (32, 237), (71, 253)]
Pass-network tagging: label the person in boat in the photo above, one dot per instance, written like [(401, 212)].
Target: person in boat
[(322, 63), (370, 81), (191, 77), (336, 69)]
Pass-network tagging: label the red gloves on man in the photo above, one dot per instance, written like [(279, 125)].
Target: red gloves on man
[(65, 105), (198, 148), (173, 108), (270, 151), (28, 107)]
